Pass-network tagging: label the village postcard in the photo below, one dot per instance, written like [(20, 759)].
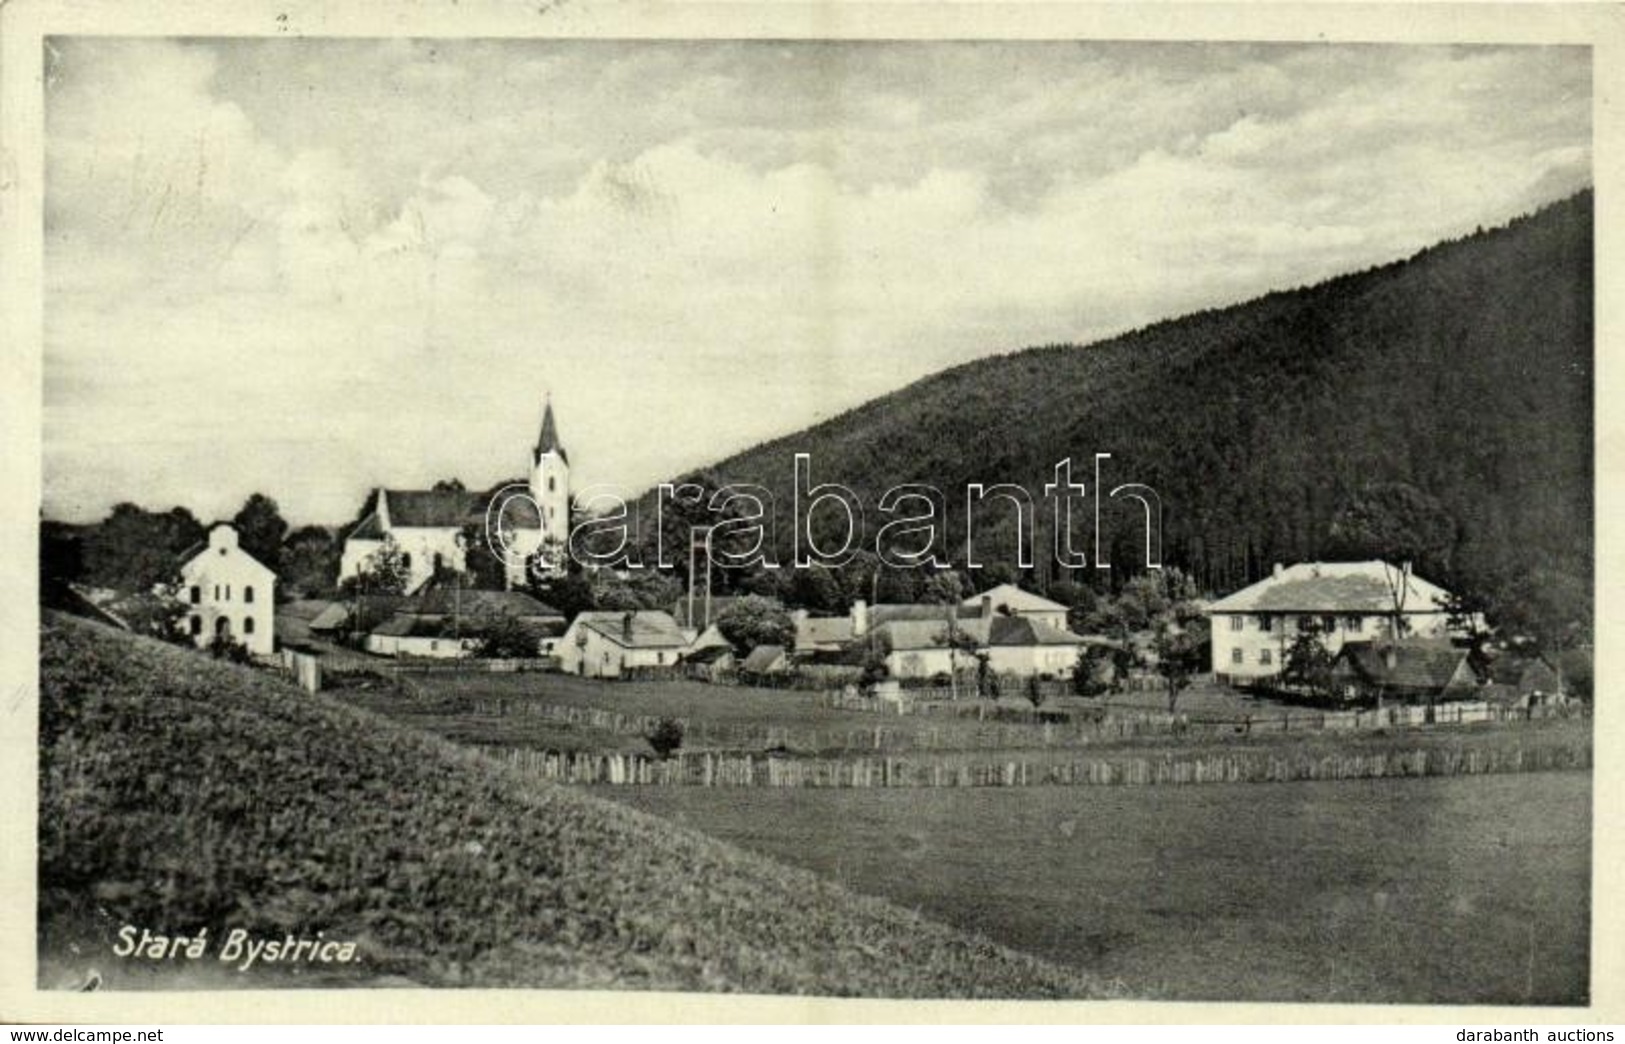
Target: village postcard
[(568, 511)]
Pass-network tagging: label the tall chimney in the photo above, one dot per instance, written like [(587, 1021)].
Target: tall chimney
[(987, 607), (626, 625), (860, 618), (1279, 569)]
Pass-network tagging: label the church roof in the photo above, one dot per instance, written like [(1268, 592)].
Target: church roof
[(548, 440), (433, 508), (446, 509)]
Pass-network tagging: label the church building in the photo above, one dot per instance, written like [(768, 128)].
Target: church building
[(430, 527)]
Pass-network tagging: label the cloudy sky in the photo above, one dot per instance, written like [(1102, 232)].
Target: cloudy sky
[(310, 267)]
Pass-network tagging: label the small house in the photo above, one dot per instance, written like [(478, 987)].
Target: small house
[(229, 594)]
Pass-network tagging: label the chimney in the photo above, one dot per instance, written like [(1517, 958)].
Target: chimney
[(626, 625), (1278, 570), (860, 618), (987, 607), (1390, 657)]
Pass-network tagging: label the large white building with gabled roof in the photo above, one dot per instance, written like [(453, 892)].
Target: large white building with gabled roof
[(1253, 628)]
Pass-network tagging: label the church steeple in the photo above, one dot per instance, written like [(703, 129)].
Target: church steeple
[(548, 441)]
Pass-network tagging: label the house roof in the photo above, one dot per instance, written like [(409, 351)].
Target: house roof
[(1334, 587), (1000, 631), (889, 612), (1016, 600), (763, 658), (1537, 676), (305, 609), (330, 619), (710, 638), (476, 602), (1420, 665), (708, 654), (642, 629), (822, 630), (1022, 631)]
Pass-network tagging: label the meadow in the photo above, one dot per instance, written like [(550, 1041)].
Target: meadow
[(1454, 891), (178, 792)]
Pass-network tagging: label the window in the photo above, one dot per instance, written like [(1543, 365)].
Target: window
[(1353, 623), (197, 594), (550, 481), (228, 592), (406, 561), (1264, 657), (1266, 623), (217, 592), (248, 625), (1236, 657), (248, 594), (1237, 623), (1328, 624), (434, 646), (197, 623)]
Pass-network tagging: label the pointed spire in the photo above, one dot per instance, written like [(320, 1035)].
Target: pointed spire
[(548, 441)]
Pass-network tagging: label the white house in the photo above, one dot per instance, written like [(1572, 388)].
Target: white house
[(427, 526), (447, 624), (607, 644), (1253, 628), (229, 593)]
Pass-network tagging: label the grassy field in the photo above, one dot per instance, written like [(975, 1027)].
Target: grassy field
[(1472, 890), (177, 793)]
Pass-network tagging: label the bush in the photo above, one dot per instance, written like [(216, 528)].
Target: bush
[(666, 737)]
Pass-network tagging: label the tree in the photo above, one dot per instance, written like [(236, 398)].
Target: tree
[(753, 621), (665, 737), (502, 636), (260, 529), (451, 485), (136, 550), (484, 568), (310, 562), (1550, 608), (817, 590), (1308, 663), (1087, 670), (1035, 691), (383, 572), (944, 587), (159, 612), (1179, 658)]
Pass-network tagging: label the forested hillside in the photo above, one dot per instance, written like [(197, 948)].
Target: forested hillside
[(1464, 373)]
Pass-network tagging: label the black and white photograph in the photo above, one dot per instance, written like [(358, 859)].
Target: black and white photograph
[(1043, 517)]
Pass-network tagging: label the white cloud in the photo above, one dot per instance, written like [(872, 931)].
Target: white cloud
[(334, 264)]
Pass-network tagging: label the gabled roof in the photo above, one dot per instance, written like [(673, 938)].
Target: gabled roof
[(1429, 666), (642, 629), (889, 612), (1000, 631), (1022, 631), (822, 630), (330, 619), (1334, 587), (447, 509), (1016, 600), (709, 654), (476, 602), (763, 658)]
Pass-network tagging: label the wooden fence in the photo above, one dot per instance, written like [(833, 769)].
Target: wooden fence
[(967, 733), (713, 769)]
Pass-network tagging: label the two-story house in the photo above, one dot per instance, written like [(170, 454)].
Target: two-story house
[(229, 593), (1253, 628)]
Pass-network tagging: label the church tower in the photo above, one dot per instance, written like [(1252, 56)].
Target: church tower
[(550, 478)]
